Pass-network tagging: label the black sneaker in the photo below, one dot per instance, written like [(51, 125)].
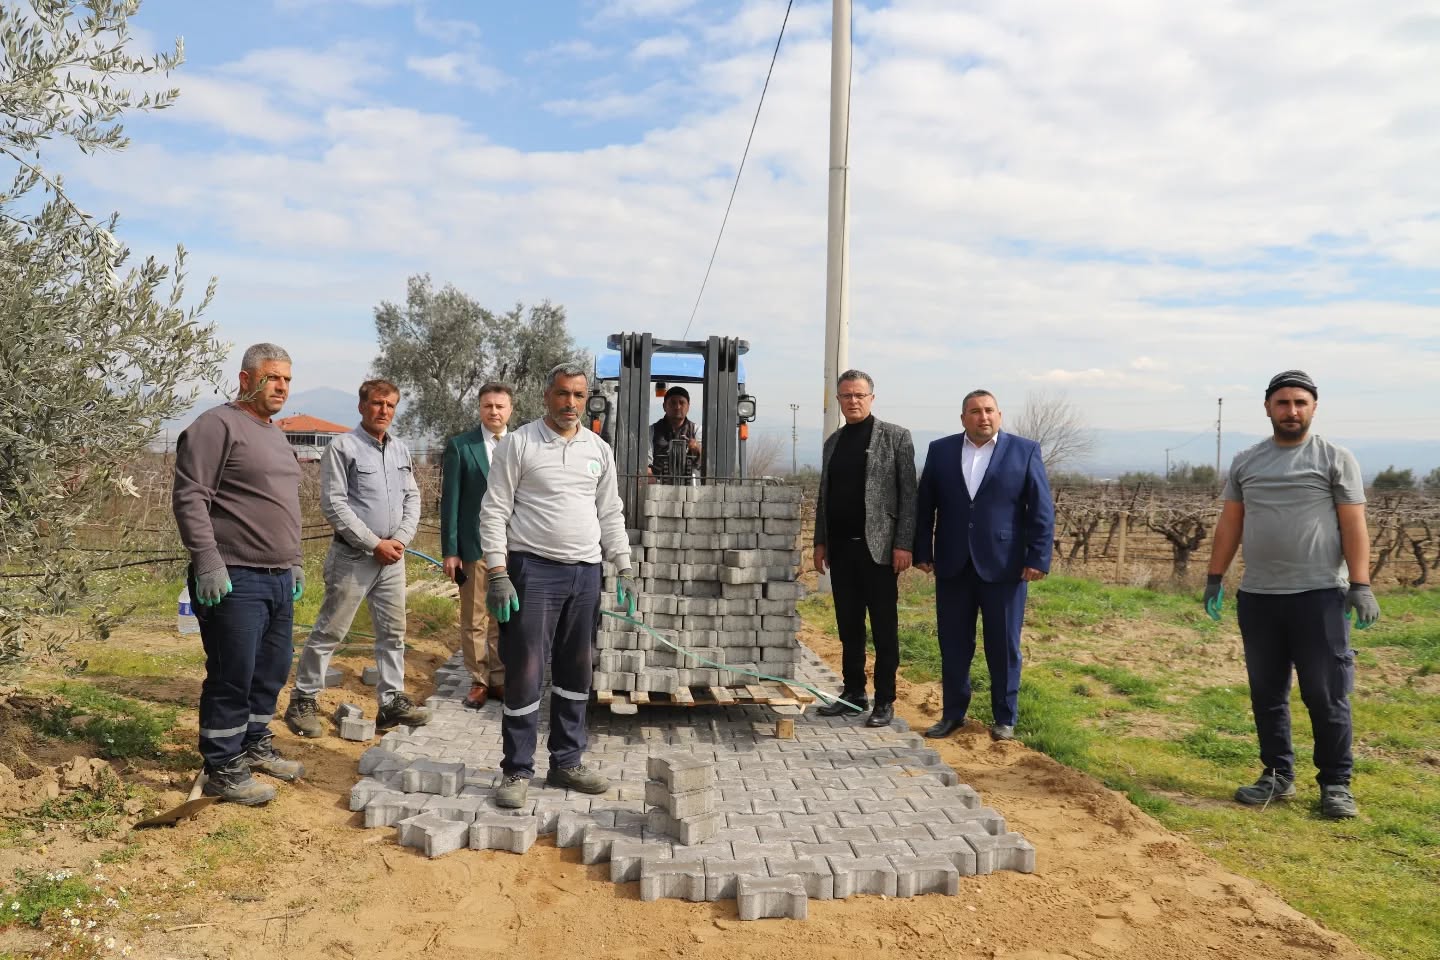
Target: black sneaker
[(262, 757), (399, 710), (1337, 802), (233, 784), (1271, 787)]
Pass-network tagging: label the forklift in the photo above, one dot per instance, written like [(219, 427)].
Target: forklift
[(638, 366)]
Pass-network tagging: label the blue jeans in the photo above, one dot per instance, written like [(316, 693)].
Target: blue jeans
[(557, 620), (247, 640)]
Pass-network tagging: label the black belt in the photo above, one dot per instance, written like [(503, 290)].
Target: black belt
[(272, 571)]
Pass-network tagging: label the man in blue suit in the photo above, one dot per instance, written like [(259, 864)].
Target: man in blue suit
[(985, 526)]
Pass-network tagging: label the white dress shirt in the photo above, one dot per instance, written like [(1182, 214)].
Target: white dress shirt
[(491, 440), (975, 460)]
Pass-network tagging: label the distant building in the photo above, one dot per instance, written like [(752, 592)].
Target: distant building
[(309, 435)]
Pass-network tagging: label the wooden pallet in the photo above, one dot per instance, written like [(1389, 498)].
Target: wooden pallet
[(782, 698)]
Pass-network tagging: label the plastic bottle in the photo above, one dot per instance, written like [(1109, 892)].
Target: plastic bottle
[(185, 620)]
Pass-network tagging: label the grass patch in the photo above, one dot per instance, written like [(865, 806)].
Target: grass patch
[(1372, 878), (96, 813), (120, 728), (38, 896)]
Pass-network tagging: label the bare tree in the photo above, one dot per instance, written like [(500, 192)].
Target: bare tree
[(765, 455), (1052, 421)]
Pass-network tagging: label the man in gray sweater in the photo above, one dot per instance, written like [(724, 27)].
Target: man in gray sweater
[(236, 498)]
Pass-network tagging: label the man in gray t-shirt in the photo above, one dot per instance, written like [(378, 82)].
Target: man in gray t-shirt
[(1297, 503)]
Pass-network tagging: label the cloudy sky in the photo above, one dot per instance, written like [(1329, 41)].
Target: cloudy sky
[(1146, 205)]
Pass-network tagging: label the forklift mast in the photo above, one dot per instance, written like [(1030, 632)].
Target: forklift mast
[(724, 417)]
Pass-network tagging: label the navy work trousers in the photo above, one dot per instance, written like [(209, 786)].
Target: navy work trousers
[(556, 623), (248, 646), (1309, 634), (1002, 607), (859, 584)]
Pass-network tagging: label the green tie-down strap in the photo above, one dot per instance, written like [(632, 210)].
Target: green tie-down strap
[(726, 667)]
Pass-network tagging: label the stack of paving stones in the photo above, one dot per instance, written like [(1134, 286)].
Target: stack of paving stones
[(718, 571), (840, 810)]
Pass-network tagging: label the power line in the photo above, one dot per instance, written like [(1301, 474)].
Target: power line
[(736, 185)]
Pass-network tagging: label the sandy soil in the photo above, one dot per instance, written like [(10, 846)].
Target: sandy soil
[(1111, 883)]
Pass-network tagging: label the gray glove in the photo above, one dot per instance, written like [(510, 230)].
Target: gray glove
[(627, 592), (297, 575), (500, 597), (211, 588), (1361, 599)]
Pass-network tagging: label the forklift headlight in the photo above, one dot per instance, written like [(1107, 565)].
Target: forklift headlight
[(597, 405), (745, 408)]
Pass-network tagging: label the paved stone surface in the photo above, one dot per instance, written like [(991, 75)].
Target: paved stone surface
[(839, 810)]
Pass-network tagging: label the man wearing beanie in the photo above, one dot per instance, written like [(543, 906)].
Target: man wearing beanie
[(1297, 503)]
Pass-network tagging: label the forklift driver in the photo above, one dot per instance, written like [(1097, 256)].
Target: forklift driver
[(674, 427)]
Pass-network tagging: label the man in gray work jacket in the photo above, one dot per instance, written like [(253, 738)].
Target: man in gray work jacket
[(551, 511), (369, 495)]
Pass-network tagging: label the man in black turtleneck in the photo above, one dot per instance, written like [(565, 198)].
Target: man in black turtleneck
[(864, 524)]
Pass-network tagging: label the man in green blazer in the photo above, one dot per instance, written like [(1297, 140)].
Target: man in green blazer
[(466, 470)]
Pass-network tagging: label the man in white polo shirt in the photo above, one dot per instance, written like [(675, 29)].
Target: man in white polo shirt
[(551, 511)]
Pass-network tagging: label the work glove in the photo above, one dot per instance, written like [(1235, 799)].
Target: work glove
[(211, 588), (297, 574), (1214, 595), (1361, 600), (626, 591), (501, 598)]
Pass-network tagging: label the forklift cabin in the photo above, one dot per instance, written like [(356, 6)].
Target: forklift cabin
[(641, 366)]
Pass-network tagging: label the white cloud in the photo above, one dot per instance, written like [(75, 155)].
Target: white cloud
[(661, 48), (236, 107), (457, 69), (339, 73), (645, 8), (568, 51)]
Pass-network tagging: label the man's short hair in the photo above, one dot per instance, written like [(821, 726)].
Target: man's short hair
[(569, 368), (855, 375), (977, 393), (495, 386), (678, 392), (262, 353), (378, 383)]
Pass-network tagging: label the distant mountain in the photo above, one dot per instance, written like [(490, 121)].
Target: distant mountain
[(327, 403)]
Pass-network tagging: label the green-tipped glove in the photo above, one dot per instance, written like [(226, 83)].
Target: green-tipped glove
[(1215, 595), (627, 593), (1361, 600), (297, 574), (500, 597), (211, 588)]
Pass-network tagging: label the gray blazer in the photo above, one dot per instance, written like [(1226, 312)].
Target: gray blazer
[(889, 491)]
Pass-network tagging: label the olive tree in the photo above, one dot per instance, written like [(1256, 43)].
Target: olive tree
[(96, 353)]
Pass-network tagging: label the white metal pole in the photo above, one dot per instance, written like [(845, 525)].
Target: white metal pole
[(837, 261)]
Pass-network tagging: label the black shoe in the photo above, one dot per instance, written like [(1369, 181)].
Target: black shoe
[(1270, 788), (1002, 731), (837, 709), (1337, 802), (944, 727), (881, 715), (233, 784)]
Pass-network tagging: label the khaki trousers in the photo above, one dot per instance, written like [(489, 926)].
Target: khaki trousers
[(479, 633)]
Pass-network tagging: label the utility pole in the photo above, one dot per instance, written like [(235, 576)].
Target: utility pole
[(794, 438), (837, 252), (1219, 419), (1167, 463)]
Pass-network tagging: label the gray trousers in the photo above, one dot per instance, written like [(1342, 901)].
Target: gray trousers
[(351, 576)]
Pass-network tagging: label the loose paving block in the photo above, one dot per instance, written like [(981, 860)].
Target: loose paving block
[(760, 897), (389, 808), (596, 844), (370, 676), (347, 710), (463, 809), (357, 728), (874, 875), (497, 832), (691, 803), (1009, 851), (931, 874), (628, 855), (813, 872), (333, 677), (721, 876), (681, 774), (688, 830), (672, 880), (433, 776), (378, 760), (361, 793), (431, 834)]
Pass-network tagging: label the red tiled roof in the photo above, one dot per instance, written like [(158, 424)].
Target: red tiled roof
[(304, 423)]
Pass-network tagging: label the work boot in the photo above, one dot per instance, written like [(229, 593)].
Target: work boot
[(513, 791), (262, 757), (1269, 788), (400, 709), (1337, 802), (233, 784), (837, 709), (578, 777), (303, 716)]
